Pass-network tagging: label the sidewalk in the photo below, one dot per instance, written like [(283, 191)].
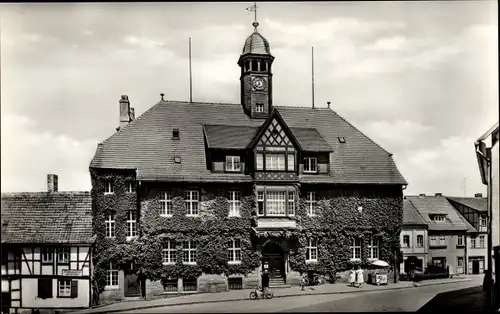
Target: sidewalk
[(238, 295)]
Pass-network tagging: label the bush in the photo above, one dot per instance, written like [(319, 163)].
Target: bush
[(426, 276), (434, 269)]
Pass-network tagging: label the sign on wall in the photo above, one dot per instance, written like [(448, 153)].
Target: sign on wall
[(72, 272)]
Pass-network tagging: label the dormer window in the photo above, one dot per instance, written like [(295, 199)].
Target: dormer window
[(310, 165), (341, 139), (175, 134), (438, 218), (177, 159), (259, 107), (233, 163)]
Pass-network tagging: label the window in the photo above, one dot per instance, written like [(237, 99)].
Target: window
[(310, 165), (291, 162), (175, 134), (482, 221), (111, 276), (433, 240), (259, 107), (47, 255), (235, 283), (473, 242), (460, 240), (406, 241), (442, 240), (312, 250), (165, 204), (64, 288), (189, 252), (168, 252), (177, 159), (254, 65), (234, 203), (275, 162), (108, 187), (311, 203), (260, 162), (275, 203), (481, 241), (63, 255), (341, 139), (373, 247), (260, 203), (460, 262), (191, 201), (234, 251), (438, 218), (45, 288), (131, 187), (190, 284), (420, 240), (233, 163), (291, 203), (355, 249), (132, 224), (170, 285), (247, 66), (110, 226)]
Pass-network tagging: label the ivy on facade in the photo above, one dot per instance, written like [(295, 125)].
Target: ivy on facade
[(337, 221)]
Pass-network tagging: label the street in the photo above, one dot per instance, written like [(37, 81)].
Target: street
[(379, 301)]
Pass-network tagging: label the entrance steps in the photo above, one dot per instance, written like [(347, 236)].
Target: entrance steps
[(277, 282)]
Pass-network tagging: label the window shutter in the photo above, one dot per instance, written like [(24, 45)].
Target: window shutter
[(74, 289)]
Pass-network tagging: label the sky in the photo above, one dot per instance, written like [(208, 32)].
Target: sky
[(419, 78)]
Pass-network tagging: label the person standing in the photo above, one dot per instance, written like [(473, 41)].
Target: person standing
[(359, 277), (303, 281), (265, 280), (352, 277)]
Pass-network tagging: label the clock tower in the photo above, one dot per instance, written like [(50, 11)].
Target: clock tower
[(256, 76)]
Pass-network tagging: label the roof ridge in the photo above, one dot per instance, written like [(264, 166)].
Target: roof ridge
[(341, 117), (3, 194)]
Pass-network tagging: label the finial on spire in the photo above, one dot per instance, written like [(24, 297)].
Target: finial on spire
[(253, 9)]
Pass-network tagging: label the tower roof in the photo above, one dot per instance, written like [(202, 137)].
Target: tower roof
[(256, 43)]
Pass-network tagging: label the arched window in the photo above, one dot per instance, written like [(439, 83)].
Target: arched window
[(247, 66), (254, 65)]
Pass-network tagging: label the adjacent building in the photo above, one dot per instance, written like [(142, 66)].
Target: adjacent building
[(414, 239), (446, 232), (474, 213), (46, 250), (209, 195)]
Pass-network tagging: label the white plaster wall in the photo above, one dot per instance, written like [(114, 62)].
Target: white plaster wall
[(30, 291), (495, 198)]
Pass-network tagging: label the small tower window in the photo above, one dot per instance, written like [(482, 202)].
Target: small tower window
[(255, 65), (175, 134), (259, 108), (261, 66), (247, 66), (265, 67)]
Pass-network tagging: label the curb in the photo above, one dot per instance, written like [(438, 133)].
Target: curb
[(275, 297)]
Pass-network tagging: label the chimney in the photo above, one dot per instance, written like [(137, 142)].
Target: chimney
[(132, 114), (124, 111), (328, 103), (478, 195), (438, 194), (52, 185), (421, 194)]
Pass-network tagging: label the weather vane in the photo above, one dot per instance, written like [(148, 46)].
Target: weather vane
[(253, 9)]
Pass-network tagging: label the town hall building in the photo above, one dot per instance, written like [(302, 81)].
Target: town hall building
[(201, 197)]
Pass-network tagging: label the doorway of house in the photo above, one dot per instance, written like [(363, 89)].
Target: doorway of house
[(475, 267), (273, 260), (132, 283)]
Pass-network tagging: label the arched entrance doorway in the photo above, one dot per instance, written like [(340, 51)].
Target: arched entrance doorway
[(273, 259)]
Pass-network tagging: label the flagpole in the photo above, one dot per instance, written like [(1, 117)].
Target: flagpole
[(190, 75), (312, 70)]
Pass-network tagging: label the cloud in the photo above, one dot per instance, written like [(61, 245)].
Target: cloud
[(87, 32), (29, 154), (143, 42), (397, 134)]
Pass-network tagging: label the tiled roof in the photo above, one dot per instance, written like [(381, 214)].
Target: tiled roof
[(42, 217), (146, 144), (256, 44), (470, 228), (476, 203), (411, 215), (238, 137), (426, 205)]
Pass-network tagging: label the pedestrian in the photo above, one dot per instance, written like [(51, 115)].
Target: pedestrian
[(359, 277), (352, 277), (303, 281), (265, 280)]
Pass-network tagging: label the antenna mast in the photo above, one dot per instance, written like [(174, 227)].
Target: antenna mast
[(190, 75), (312, 70)]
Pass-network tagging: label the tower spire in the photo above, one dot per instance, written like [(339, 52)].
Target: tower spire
[(253, 9)]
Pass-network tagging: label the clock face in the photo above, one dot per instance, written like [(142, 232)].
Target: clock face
[(259, 83)]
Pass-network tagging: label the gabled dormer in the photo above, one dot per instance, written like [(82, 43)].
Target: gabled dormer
[(275, 150)]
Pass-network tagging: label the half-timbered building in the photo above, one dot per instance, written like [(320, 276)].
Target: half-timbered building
[(281, 167), (46, 250)]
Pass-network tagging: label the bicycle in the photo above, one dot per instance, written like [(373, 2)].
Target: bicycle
[(254, 295)]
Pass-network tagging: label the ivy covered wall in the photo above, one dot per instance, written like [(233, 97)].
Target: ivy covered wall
[(337, 220)]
